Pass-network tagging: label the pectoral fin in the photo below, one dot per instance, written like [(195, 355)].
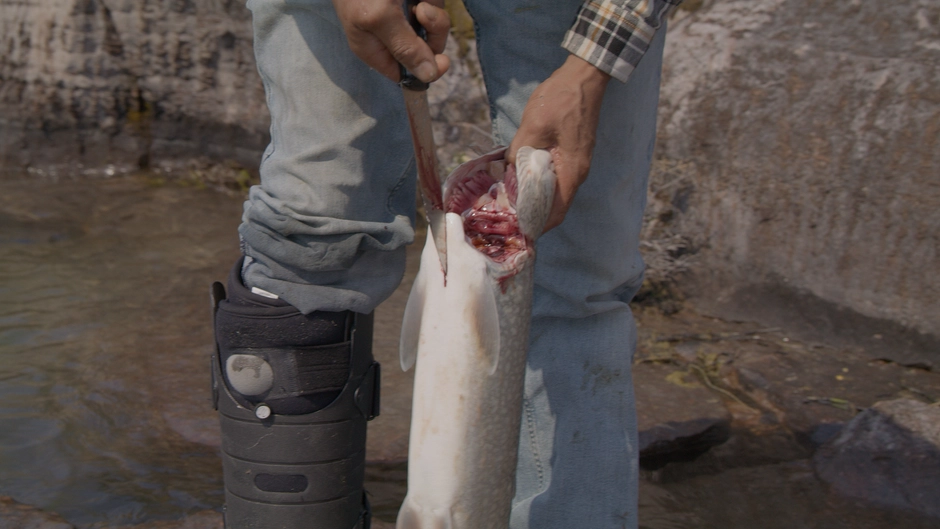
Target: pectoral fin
[(411, 322), (487, 318), (411, 516), (468, 273)]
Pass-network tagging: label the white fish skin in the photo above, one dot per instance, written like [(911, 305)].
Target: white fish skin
[(469, 332)]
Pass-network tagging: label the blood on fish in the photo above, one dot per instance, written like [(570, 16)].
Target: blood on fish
[(512, 184), (472, 350), (486, 201)]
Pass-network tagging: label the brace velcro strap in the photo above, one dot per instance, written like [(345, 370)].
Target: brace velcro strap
[(368, 393), (305, 370)]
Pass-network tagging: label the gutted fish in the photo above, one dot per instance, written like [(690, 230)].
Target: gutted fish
[(467, 332)]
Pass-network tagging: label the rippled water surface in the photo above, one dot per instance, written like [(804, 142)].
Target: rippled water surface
[(104, 341), (103, 336)]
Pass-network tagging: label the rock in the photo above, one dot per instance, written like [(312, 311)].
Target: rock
[(128, 84), (460, 111), (786, 397), (678, 418), (15, 515), (800, 140), (773, 496), (889, 455), (812, 391), (89, 86), (199, 520)]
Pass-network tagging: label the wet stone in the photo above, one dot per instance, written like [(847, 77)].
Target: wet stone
[(889, 455), (678, 418), (815, 390), (783, 495), (15, 515), (199, 520)]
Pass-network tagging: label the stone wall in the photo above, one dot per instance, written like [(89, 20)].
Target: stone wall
[(798, 145), (129, 83), (117, 85), (802, 140)]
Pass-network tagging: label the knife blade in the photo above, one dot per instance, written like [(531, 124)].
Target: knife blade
[(415, 95)]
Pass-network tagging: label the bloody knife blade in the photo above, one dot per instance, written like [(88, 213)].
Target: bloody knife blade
[(415, 93)]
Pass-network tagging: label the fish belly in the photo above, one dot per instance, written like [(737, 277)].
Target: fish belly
[(467, 396)]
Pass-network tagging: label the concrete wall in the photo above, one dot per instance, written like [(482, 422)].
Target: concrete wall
[(127, 82), (803, 133), (807, 133)]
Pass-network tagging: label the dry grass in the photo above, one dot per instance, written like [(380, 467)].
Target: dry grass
[(668, 253)]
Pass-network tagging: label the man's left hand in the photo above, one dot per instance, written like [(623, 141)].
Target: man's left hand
[(561, 116)]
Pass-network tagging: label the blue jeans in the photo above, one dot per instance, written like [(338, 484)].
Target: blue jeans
[(328, 226)]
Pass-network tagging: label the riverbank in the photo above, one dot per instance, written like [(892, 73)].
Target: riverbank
[(105, 335)]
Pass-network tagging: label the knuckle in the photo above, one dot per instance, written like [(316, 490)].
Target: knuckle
[(371, 19), (402, 50)]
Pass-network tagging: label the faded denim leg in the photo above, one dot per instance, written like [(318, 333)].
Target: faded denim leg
[(578, 443), (327, 227), (326, 230)]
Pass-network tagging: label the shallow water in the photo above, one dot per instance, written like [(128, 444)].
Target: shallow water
[(100, 341), (104, 341)]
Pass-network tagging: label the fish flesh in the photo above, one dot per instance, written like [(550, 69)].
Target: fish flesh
[(467, 331)]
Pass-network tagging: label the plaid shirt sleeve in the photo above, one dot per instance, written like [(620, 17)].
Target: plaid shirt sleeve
[(614, 34)]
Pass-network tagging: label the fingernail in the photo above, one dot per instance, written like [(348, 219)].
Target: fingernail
[(426, 71)]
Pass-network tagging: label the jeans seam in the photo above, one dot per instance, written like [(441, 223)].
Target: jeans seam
[(533, 442), (272, 147)]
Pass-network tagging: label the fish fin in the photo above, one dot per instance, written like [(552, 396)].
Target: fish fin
[(411, 516), (411, 322), (469, 270), (487, 318), (407, 516)]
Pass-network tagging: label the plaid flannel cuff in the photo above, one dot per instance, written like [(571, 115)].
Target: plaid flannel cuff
[(613, 35)]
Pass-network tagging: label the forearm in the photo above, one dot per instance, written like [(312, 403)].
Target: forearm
[(607, 40)]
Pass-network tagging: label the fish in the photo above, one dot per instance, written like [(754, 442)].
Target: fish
[(466, 332)]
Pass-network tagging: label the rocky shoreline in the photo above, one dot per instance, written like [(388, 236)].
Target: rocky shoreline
[(720, 391), (714, 396)]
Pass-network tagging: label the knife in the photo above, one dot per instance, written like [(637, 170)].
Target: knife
[(415, 92)]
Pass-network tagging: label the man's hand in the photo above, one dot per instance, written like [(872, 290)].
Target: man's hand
[(561, 116), (379, 34)]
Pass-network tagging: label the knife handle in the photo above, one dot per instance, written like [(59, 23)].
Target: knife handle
[(408, 80)]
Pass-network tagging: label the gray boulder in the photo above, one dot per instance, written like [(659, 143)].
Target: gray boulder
[(15, 515), (804, 136), (678, 419), (199, 520), (889, 454)]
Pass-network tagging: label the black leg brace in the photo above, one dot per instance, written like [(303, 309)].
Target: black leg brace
[(294, 393)]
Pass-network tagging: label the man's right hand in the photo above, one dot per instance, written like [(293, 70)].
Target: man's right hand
[(379, 34)]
